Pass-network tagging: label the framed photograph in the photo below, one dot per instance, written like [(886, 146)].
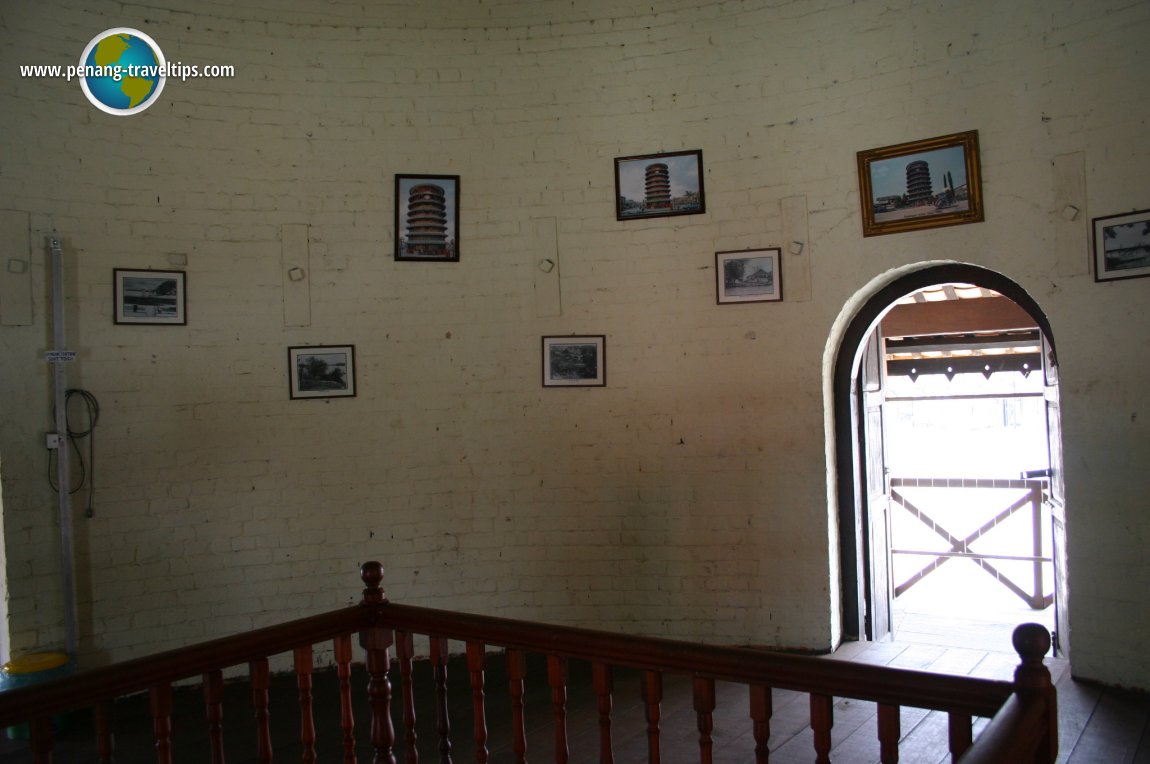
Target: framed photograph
[(922, 184), (659, 185), (427, 218), (575, 361), (1122, 246), (149, 297), (749, 275), (322, 371)]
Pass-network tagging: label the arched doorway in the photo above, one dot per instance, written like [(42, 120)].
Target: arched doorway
[(862, 487)]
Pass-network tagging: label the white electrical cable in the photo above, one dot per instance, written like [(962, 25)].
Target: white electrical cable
[(63, 457)]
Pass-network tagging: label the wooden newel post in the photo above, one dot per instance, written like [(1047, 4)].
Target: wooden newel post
[(1032, 642), (377, 640), (371, 573)]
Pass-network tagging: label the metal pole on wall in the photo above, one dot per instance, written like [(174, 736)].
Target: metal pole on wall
[(59, 357)]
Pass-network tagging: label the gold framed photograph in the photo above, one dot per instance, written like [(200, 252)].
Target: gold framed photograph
[(922, 184)]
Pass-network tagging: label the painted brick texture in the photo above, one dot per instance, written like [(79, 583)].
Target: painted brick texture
[(687, 498)]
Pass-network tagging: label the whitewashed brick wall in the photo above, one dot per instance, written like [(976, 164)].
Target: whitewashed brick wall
[(688, 498)]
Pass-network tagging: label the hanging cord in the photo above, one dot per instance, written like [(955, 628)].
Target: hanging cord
[(87, 471)]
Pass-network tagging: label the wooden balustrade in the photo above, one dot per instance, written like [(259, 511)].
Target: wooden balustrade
[(1023, 727), (1034, 492)]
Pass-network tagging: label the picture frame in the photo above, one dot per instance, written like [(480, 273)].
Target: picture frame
[(748, 275), (922, 184), (149, 297), (575, 361), (659, 185), (321, 371), (427, 218), (1122, 246)]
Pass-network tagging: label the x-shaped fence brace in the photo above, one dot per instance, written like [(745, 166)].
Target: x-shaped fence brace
[(961, 547)]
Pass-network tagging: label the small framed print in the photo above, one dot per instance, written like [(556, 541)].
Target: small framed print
[(1122, 246), (922, 184), (750, 275), (427, 218), (575, 361), (325, 371), (149, 297), (659, 185)]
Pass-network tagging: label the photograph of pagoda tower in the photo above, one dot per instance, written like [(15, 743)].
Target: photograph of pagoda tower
[(917, 185), (427, 217), (923, 184), (658, 185)]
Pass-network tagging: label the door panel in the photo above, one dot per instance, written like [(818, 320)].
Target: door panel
[(1056, 499), (876, 510)]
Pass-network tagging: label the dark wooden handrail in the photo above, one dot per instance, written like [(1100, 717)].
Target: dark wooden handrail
[(882, 684), (92, 686), (1012, 734), (1023, 728)]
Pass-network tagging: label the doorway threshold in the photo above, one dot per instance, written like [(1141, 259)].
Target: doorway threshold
[(960, 605)]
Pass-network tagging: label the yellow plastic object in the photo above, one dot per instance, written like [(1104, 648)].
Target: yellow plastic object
[(29, 670), (34, 663)]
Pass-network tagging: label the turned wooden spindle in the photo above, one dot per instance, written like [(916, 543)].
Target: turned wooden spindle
[(960, 733), (476, 657), (41, 740), (161, 707), (822, 719), (652, 687), (889, 732), (516, 674), (260, 678), (761, 710), (557, 679), (303, 674), (214, 710), (439, 655), (105, 747), (604, 681), (342, 645), (704, 696), (405, 653)]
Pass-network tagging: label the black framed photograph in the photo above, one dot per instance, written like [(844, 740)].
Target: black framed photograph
[(427, 218), (922, 184), (1122, 246), (749, 275), (575, 361), (659, 185), (323, 371), (149, 297)]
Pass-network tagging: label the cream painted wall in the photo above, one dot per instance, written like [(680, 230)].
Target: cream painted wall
[(687, 498)]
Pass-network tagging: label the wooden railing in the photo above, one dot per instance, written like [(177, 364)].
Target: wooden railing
[(1032, 496), (1023, 727)]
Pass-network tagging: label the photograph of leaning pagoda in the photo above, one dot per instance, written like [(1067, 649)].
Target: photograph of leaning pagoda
[(427, 217)]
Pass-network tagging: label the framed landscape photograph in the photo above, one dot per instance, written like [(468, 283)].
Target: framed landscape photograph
[(326, 371), (749, 275), (149, 297), (659, 185), (575, 361), (427, 218), (923, 184), (1122, 246)]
